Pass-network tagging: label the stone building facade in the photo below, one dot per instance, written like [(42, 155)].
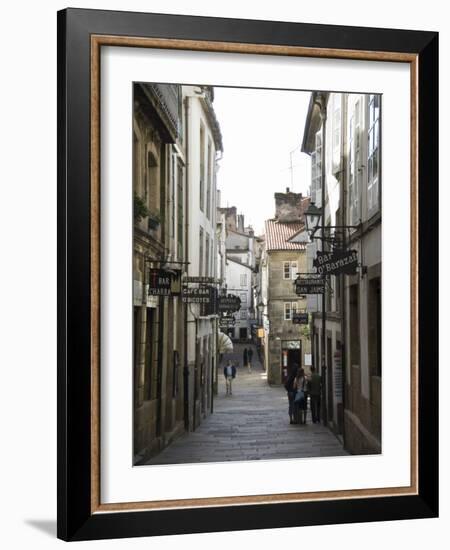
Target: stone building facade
[(285, 343), (176, 138), (158, 179), (342, 135), (203, 148)]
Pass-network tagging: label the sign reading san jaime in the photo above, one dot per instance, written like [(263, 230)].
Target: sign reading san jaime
[(336, 262), (197, 295), (309, 285)]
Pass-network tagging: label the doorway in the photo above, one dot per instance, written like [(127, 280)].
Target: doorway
[(243, 333), (291, 358), (330, 378)]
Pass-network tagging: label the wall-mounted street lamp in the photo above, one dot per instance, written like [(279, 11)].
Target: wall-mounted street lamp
[(312, 217)]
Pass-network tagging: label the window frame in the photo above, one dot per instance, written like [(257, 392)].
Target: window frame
[(289, 306)]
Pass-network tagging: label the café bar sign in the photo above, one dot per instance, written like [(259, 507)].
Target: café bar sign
[(197, 295), (337, 262), (309, 285), (163, 283)]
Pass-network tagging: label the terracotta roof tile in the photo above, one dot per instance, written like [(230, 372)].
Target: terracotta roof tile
[(278, 235)]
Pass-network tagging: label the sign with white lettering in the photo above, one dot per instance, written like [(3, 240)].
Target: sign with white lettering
[(207, 280), (336, 262), (227, 322), (300, 318), (309, 285), (197, 295), (229, 303), (163, 283)]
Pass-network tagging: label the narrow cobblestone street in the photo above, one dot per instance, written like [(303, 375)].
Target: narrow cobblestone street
[(251, 424)]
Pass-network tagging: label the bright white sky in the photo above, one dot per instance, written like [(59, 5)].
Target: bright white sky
[(260, 128)]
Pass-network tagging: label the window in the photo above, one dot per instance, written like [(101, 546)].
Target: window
[(243, 297), (355, 169), (208, 183), (294, 269), (136, 166), (243, 314), (243, 279), (151, 190), (172, 196), (202, 168), (287, 311), (316, 167), (180, 211), (200, 259), (290, 270), (336, 132), (207, 256), (373, 152)]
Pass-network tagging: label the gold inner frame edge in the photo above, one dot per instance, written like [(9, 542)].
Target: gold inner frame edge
[(97, 41)]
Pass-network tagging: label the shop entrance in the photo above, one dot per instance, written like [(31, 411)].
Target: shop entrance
[(291, 358), (243, 333)]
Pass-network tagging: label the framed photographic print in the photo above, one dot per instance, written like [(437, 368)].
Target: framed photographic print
[(247, 252)]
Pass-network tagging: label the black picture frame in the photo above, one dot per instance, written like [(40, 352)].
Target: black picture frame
[(76, 521)]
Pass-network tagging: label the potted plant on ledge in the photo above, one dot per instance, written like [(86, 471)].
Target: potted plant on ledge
[(140, 210), (154, 219)]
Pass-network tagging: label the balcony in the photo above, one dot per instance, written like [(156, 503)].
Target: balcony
[(164, 100)]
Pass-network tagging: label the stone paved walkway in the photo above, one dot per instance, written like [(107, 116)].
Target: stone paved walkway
[(251, 424)]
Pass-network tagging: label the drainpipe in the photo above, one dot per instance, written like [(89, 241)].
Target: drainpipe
[(343, 303), (323, 116)]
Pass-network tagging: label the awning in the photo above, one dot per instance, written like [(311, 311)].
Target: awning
[(225, 343)]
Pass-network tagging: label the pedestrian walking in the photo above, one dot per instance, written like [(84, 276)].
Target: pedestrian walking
[(250, 357), (289, 387), (229, 372), (245, 357), (300, 400), (315, 390)]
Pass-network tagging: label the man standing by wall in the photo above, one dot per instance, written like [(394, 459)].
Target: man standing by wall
[(315, 388)]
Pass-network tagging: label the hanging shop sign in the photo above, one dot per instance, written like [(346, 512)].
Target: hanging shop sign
[(229, 303), (337, 262), (204, 280), (210, 308), (226, 322), (300, 318), (309, 285), (198, 295), (260, 333), (164, 283)]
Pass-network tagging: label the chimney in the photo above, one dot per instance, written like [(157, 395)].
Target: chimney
[(288, 206), (230, 216)]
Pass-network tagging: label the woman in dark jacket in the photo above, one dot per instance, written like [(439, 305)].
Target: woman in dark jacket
[(299, 385), (289, 387)]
